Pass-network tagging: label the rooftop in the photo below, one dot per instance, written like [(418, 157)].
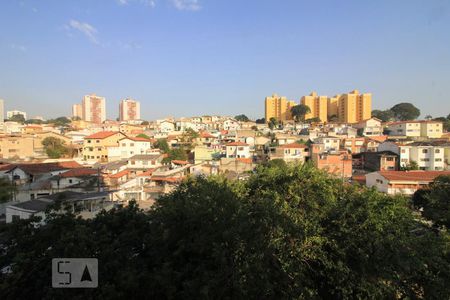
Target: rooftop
[(412, 175), (101, 135)]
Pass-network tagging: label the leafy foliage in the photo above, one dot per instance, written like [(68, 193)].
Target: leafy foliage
[(289, 232), (19, 118), (261, 121), (6, 190), (405, 111), (241, 118), (54, 147), (162, 145), (273, 123), (384, 115), (435, 201), (60, 121), (143, 135), (299, 112)]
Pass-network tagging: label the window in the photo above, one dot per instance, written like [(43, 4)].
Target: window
[(124, 144), (438, 159), (133, 162), (98, 141), (437, 151), (70, 180), (145, 162), (403, 151), (390, 159), (131, 144), (89, 141), (424, 150), (241, 148)]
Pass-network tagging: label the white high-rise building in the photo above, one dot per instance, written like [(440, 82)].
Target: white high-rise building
[(2, 111), (91, 109), (129, 109)]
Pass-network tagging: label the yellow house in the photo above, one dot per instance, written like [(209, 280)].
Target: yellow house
[(95, 146)]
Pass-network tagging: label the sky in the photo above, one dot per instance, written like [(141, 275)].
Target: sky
[(195, 57)]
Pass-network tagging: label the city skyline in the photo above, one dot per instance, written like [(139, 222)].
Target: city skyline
[(185, 58)]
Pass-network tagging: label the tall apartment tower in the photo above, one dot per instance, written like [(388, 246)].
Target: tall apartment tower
[(318, 106), (354, 107), (278, 107), (2, 111), (77, 111), (129, 109), (92, 109)]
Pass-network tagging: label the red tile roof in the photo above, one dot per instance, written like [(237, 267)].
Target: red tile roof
[(293, 146), (207, 135), (137, 139), (237, 144), (120, 174), (378, 138), (101, 135), (412, 175), (79, 172), (245, 160)]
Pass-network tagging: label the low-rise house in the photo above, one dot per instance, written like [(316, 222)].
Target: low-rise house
[(128, 147), (166, 126), (75, 177), (329, 143), (335, 163), (95, 147), (369, 127), (379, 161), (230, 124), (86, 205), (237, 150), (415, 129), (205, 154), (294, 152), (145, 161), (355, 145), (401, 182)]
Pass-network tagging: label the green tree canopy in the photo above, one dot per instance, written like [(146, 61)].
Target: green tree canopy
[(241, 118), (54, 147), (162, 145), (435, 201), (60, 121), (273, 123), (7, 190), (34, 121), (143, 135), (384, 115), (19, 118), (145, 123), (405, 111), (260, 121), (299, 112), (288, 232)]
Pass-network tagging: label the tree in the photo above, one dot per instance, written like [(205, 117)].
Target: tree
[(76, 118), (145, 123), (288, 232), (60, 121), (299, 112), (255, 128), (34, 121), (428, 117), (384, 115), (54, 147), (162, 145), (405, 111), (7, 190), (273, 123), (261, 121), (445, 122), (333, 118), (275, 163), (435, 201), (313, 120), (411, 166), (241, 118), (19, 118), (143, 135)]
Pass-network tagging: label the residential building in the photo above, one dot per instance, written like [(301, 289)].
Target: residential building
[(278, 107), (318, 106), (355, 145), (237, 150), (329, 143), (11, 113), (2, 110), (77, 111), (95, 146), (415, 129), (145, 161), (128, 147), (379, 161), (93, 109), (294, 152), (370, 127), (129, 109), (354, 107), (335, 163), (401, 182)]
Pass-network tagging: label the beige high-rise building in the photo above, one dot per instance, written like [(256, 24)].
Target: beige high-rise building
[(92, 109), (129, 109), (354, 107), (278, 107), (332, 107), (77, 111), (318, 106)]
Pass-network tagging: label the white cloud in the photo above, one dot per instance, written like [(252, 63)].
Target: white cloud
[(193, 5), (87, 29), (20, 48), (151, 3)]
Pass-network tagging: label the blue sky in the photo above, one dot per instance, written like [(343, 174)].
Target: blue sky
[(194, 57)]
